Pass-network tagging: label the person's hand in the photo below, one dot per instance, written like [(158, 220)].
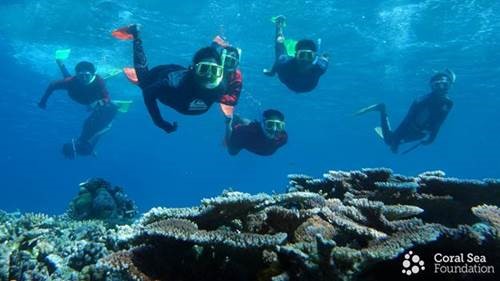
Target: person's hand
[(169, 128), (326, 56), (42, 105)]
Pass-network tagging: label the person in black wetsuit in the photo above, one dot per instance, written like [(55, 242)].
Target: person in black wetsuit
[(262, 138), (88, 89), (190, 91), (424, 119), (301, 73)]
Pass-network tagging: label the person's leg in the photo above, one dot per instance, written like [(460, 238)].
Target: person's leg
[(64, 71), (279, 45), (98, 123), (139, 56), (390, 138), (279, 42)]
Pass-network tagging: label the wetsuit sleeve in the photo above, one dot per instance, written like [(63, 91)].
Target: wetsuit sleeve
[(439, 121), (53, 86), (234, 90)]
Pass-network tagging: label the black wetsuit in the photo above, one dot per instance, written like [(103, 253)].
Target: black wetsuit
[(290, 73), (252, 138), (425, 117), (297, 80), (96, 97), (174, 86)]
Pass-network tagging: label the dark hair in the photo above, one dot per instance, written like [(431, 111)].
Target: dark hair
[(306, 44), (206, 53), (85, 66), (273, 114), (440, 75), (231, 49)]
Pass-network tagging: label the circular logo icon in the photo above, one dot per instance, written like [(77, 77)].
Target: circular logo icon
[(412, 264)]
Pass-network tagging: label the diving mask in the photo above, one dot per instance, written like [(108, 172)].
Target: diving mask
[(274, 125), (86, 77), (305, 55)]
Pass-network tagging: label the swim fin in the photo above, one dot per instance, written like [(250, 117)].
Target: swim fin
[(111, 73), (371, 108), (290, 46), (62, 54), (228, 110), (219, 40), (122, 33), (280, 20), (379, 132), (131, 75), (123, 105)]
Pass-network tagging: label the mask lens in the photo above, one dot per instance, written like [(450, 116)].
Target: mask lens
[(208, 69), (442, 83), (274, 125), (305, 55), (231, 62), (85, 76)]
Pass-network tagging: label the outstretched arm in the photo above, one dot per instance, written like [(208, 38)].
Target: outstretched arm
[(56, 85), (150, 100)]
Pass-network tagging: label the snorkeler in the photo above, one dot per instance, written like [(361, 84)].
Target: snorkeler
[(301, 71), (262, 138), (190, 91), (424, 119), (88, 89), (232, 75)]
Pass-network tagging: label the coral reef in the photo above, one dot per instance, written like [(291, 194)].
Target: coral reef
[(38, 247), (345, 226), (99, 200)]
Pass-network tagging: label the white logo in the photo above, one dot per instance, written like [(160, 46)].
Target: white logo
[(197, 105), (412, 264)]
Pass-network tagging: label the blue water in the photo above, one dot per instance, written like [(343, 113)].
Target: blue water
[(380, 51)]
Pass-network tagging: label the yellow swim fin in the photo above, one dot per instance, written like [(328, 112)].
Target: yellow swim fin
[(123, 105)]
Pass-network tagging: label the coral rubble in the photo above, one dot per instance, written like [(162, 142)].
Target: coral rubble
[(345, 226)]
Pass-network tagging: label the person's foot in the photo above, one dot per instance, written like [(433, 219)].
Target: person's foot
[(280, 21)]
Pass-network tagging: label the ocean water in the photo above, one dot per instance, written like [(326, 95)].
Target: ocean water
[(380, 51)]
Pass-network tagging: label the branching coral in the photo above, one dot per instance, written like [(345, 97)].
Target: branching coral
[(344, 226)]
